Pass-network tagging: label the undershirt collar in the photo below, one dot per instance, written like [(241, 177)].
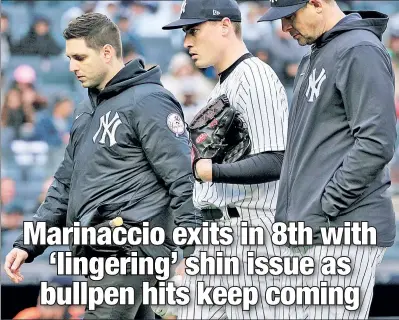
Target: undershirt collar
[(223, 75)]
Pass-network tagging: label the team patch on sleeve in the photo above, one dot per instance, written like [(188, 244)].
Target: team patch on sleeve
[(175, 124)]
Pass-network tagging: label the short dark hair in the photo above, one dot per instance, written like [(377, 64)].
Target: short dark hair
[(97, 30), (237, 29)]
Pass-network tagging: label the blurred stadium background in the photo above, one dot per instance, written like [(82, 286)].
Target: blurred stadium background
[(38, 96)]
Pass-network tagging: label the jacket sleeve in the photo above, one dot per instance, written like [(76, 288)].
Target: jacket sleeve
[(53, 210), (259, 168), (366, 82), (159, 124)]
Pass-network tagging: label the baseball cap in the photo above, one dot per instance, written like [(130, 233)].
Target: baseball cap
[(198, 11), (282, 8)]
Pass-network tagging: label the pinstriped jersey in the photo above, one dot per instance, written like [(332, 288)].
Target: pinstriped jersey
[(256, 91)]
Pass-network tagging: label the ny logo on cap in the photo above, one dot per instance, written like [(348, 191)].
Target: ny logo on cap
[(183, 7), (273, 1)]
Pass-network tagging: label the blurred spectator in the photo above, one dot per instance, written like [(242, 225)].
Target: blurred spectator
[(5, 41), (190, 102), (11, 214), (8, 191), (16, 114), (108, 8), (128, 36), (144, 6), (262, 54), (38, 41), (53, 128), (144, 12), (74, 12), (12, 217), (182, 73), (251, 29), (24, 80)]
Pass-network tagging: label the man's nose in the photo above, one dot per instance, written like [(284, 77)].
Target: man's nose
[(187, 42), (73, 66)]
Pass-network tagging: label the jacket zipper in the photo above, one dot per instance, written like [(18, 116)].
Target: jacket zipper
[(295, 115)]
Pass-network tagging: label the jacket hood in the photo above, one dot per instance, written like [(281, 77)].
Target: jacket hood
[(372, 21), (132, 74)]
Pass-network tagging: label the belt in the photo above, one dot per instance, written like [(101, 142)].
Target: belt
[(216, 214)]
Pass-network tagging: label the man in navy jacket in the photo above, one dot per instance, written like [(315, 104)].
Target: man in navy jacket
[(128, 156), (341, 137)]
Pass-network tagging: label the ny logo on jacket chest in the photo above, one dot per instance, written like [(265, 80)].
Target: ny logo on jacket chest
[(314, 86), (108, 128)]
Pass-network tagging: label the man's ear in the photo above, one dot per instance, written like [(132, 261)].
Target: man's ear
[(108, 52), (318, 4), (226, 25)]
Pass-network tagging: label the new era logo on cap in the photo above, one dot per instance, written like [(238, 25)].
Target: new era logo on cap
[(198, 11)]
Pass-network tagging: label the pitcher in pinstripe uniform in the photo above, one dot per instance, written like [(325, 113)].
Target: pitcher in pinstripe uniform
[(341, 137), (245, 190)]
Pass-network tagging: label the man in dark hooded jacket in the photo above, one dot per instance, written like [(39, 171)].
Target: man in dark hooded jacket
[(128, 156), (38, 41), (341, 137)]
